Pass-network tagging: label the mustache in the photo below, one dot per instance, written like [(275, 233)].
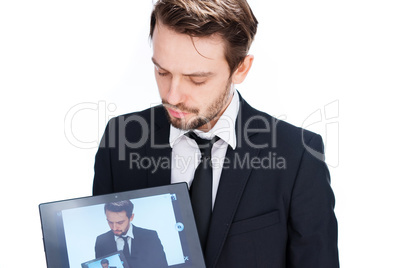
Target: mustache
[(181, 107)]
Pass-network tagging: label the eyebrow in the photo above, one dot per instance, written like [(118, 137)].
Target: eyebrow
[(119, 222), (195, 74)]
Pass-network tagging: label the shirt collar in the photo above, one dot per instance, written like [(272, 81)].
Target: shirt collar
[(129, 233), (224, 128)]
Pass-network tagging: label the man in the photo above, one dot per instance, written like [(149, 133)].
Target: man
[(141, 247), (105, 264), (271, 196)]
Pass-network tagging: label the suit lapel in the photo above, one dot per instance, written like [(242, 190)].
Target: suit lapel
[(158, 149), (134, 245), (232, 183)]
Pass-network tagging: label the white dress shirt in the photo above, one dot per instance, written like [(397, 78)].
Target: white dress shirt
[(185, 152), (120, 241)]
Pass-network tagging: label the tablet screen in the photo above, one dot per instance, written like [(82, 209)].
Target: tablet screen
[(158, 230)]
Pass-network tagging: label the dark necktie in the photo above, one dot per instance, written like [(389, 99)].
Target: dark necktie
[(126, 250), (201, 187)]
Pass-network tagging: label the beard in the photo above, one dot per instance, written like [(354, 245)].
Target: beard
[(212, 112)]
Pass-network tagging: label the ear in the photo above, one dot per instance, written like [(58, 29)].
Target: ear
[(241, 72), (132, 217)]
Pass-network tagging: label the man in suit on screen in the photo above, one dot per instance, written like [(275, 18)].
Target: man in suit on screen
[(141, 247), (263, 198)]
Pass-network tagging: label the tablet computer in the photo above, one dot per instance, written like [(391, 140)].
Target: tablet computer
[(89, 229)]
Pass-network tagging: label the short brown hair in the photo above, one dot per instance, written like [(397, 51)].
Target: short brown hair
[(233, 20), (120, 206)]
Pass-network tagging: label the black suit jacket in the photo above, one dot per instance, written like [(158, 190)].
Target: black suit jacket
[(146, 248), (274, 206)]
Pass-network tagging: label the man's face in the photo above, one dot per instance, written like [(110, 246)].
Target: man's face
[(105, 265), (118, 222), (193, 78)]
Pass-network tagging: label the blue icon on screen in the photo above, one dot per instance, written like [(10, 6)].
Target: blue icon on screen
[(179, 226)]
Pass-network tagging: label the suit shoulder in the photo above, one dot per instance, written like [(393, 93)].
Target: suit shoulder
[(284, 132), (281, 125), (104, 236), (143, 231), (136, 126)]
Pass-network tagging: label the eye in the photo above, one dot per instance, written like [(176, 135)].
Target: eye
[(197, 82), (162, 74), (160, 71)]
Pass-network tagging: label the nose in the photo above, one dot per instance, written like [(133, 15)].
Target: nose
[(175, 94)]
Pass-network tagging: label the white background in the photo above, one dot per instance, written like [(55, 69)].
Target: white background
[(58, 57)]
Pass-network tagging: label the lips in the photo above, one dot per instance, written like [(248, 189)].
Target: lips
[(176, 114)]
